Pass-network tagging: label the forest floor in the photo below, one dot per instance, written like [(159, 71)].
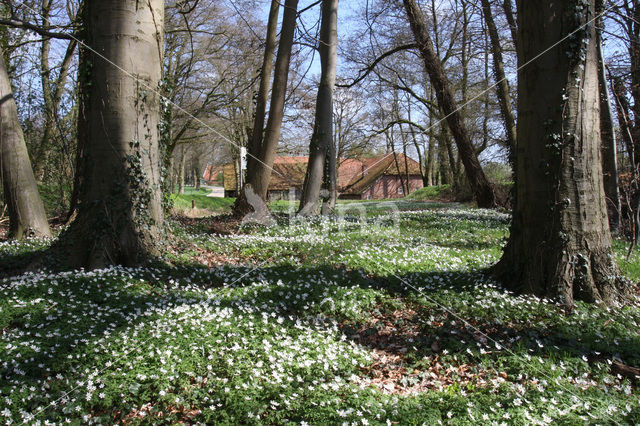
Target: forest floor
[(385, 315)]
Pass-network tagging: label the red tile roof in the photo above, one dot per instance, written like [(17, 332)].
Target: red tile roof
[(376, 167), (354, 175)]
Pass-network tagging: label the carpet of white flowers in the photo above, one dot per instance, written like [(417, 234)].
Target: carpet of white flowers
[(388, 318)]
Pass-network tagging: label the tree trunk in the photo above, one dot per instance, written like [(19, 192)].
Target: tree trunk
[(560, 245), (241, 206), (51, 92), (322, 140), (632, 21), (197, 173), (502, 84), (120, 212), (26, 211), (482, 190), (486, 116), (464, 61), (260, 180), (431, 170), (513, 27), (52, 105), (255, 143), (406, 162), (609, 146), (330, 181), (430, 154), (445, 168), (424, 170), (45, 81), (622, 106), (181, 167)]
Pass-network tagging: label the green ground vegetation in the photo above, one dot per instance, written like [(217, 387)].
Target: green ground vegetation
[(183, 201), (383, 315)]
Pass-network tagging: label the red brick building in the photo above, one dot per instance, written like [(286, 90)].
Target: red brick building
[(372, 178), (213, 175), (382, 177)]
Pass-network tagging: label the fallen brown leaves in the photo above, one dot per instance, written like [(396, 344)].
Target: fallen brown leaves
[(213, 259), (392, 338), (390, 374), (146, 412)]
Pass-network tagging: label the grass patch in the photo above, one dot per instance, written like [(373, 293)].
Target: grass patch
[(202, 201), (430, 193)]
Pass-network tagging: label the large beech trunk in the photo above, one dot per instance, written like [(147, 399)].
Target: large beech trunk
[(26, 212), (320, 152), (119, 213), (482, 189), (560, 245)]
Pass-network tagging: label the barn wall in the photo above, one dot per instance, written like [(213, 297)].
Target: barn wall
[(387, 187)]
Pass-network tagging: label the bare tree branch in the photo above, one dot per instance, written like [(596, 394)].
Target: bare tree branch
[(370, 68)]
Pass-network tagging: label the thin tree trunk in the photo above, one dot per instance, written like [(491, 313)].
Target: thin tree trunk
[(464, 61), (171, 176), (322, 139), (257, 133), (45, 80), (120, 212), (622, 106), (404, 183), (446, 172), (431, 170), (513, 27), (330, 181), (609, 147), (51, 92), (502, 84), (441, 171), (81, 137), (181, 167), (633, 24), (559, 245), (197, 172), (406, 161), (430, 161), (424, 171), (260, 180), (482, 189), (241, 206), (26, 211), (486, 116), (237, 168)]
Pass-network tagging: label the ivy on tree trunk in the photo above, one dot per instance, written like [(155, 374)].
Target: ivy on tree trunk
[(560, 245), (119, 213)]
